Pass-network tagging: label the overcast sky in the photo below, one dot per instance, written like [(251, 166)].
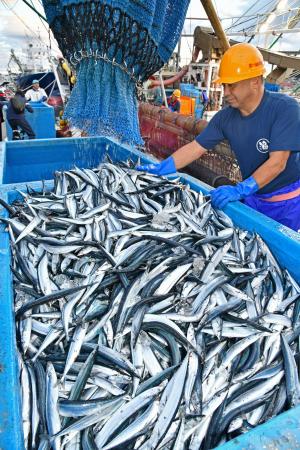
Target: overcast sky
[(19, 25)]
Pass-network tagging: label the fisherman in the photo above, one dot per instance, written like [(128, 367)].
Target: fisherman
[(65, 71), (174, 101), (36, 94), (263, 130), (204, 98), (16, 115)]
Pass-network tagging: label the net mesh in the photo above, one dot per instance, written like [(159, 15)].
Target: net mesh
[(222, 162), (114, 45)]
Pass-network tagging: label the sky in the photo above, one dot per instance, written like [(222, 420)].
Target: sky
[(19, 26)]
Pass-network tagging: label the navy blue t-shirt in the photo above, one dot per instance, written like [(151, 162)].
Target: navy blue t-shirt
[(273, 126)]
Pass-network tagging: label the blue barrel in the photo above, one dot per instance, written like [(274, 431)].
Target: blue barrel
[(272, 87), (42, 121), (199, 111), (45, 157), (185, 89), (195, 93), (38, 159)]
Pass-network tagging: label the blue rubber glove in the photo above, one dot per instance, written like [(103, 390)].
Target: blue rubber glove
[(43, 99), (225, 194), (165, 167)]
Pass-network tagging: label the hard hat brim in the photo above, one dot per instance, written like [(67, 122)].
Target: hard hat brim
[(235, 79)]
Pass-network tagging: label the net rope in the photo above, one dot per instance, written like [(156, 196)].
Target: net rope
[(114, 46)]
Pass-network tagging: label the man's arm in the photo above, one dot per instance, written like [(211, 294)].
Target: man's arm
[(29, 108), (44, 93), (187, 154), (260, 178), (271, 168)]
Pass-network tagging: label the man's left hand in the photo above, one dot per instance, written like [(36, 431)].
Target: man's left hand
[(221, 196)]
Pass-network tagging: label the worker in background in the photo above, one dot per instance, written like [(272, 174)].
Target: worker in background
[(263, 130), (16, 115), (174, 101), (68, 72), (36, 93), (155, 92), (204, 97), (151, 92), (64, 127)]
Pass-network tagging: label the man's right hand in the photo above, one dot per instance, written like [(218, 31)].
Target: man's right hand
[(166, 167)]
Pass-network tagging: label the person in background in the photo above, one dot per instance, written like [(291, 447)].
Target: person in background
[(36, 93), (204, 97), (174, 101), (263, 130), (16, 115), (157, 96), (66, 71)]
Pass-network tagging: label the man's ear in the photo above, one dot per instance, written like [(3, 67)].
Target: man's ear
[(256, 82)]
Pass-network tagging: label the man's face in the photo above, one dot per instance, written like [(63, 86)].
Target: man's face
[(238, 94), (35, 86)]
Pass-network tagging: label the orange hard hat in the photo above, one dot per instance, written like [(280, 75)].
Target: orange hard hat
[(177, 93), (240, 62)]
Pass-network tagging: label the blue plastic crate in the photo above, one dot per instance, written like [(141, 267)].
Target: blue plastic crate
[(35, 160), (282, 432), (199, 111), (42, 121), (38, 160)]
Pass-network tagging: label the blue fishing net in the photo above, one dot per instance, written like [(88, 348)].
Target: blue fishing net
[(114, 46)]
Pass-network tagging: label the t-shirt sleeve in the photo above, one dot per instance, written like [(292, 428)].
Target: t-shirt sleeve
[(285, 133), (212, 134)]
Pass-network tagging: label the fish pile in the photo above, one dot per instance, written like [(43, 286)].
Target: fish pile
[(145, 319)]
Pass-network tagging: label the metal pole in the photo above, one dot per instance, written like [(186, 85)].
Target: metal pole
[(274, 42), (216, 24), (178, 54), (163, 89), (4, 124), (209, 79)]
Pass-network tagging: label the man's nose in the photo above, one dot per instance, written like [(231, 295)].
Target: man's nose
[(226, 89)]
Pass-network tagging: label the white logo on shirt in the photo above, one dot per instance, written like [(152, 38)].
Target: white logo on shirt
[(262, 145)]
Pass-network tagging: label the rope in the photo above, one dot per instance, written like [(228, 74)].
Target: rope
[(35, 10)]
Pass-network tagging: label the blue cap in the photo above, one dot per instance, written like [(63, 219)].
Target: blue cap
[(35, 81)]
